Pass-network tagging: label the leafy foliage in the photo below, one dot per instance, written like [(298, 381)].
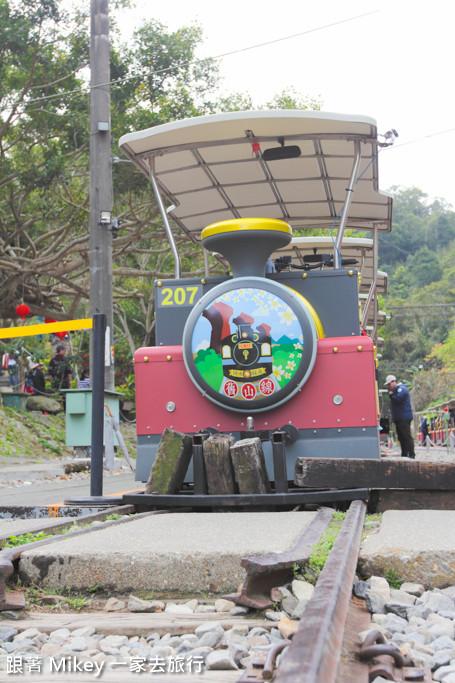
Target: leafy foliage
[(44, 160), (418, 255)]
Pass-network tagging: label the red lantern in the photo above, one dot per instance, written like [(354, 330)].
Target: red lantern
[(22, 311), (61, 335), (49, 320)]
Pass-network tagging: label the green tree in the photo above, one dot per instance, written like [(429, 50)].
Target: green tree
[(425, 267), (420, 296), (44, 154), (445, 351), (44, 158)]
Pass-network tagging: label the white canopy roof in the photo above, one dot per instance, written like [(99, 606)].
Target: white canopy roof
[(211, 168)]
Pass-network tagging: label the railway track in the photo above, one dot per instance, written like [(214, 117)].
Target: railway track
[(314, 654), (324, 649)]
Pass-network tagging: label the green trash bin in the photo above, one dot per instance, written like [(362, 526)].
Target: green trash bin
[(78, 413), (15, 399)]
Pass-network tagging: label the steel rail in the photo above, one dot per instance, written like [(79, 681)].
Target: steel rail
[(160, 500), (315, 651), (264, 572)]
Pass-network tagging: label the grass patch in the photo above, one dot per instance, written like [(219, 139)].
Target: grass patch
[(32, 537), (393, 580), (14, 541), (36, 596), (78, 601), (54, 448)]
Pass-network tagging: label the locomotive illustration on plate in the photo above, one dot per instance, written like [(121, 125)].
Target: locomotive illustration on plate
[(247, 344)]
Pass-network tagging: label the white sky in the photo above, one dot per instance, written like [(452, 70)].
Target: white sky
[(395, 65)]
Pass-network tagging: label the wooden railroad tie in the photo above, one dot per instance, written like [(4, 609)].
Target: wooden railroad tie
[(373, 474)]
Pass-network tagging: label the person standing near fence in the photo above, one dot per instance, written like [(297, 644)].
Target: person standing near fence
[(401, 415), (38, 380), (84, 381), (424, 428), (60, 370), (13, 372)]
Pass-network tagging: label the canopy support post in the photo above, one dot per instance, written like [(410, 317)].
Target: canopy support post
[(206, 262), (167, 227), (347, 204)]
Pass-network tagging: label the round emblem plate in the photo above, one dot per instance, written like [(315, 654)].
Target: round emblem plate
[(249, 344)]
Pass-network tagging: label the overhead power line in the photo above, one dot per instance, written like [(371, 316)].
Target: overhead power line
[(117, 83), (419, 306), (426, 310), (222, 55)]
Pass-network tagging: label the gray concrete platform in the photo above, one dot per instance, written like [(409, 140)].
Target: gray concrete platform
[(31, 471), (20, 471), (191, 552), (418, 545), (183, 553), (167, 553)]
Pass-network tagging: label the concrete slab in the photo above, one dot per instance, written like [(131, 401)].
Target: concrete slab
[(27, 471), (169, 553), (418, 545), (21, 471)]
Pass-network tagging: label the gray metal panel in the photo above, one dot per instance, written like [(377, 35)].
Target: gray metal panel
[(171, 319), (333, 295)]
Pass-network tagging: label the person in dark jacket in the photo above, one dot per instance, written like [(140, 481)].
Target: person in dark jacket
[(60, 370), (424, 428), (401, 414), (37, 376)]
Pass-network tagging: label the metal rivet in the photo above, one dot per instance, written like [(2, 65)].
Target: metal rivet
[(148, 427), (314, 422), (350, 272), (335, 349), (146, 359), (363, 429), (266, 423), (337, 399), (339, 431), (304, 275), (203, 282), (338, 420), (218, 425), (315, 431), (360, 348), (170, 407), (159, 283), (168, 357)]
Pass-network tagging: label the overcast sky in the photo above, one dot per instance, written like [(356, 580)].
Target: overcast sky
[(394, 63)]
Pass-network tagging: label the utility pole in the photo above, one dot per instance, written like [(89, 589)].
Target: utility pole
[(101, 180)]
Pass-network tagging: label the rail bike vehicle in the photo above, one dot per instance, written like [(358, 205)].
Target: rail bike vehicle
[(277, 343)]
